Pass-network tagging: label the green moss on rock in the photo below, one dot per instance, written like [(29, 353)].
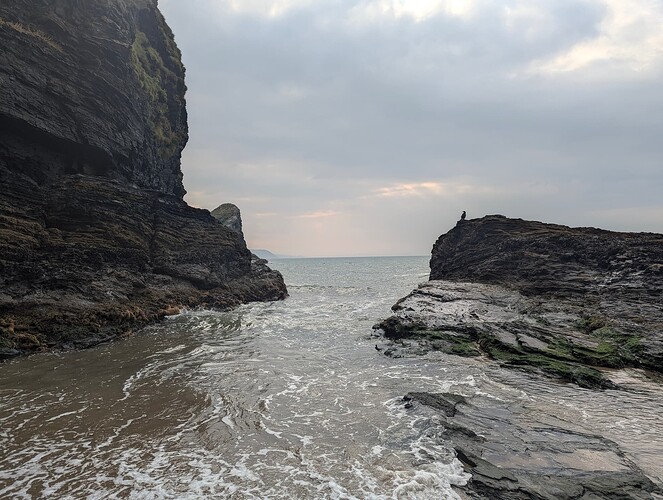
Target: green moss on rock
[(591, 323), (155, 72), (451, 343), (562, 367)]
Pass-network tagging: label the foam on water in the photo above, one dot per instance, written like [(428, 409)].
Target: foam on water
[(278, 400)]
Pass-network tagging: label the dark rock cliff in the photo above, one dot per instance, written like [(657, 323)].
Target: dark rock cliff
[(571, 303), (544, 296), (95, 238), (98, 85), (550, 260)]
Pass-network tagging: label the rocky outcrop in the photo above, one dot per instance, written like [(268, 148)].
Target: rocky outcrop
[(516, 454), (550, 260), (95, 238), (541, 297), (98, 86), (230, 216), (572, 303)]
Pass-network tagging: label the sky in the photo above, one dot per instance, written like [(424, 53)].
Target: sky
[(365, 127)]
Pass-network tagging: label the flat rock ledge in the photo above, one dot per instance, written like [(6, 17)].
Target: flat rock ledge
[(549, 336), (515, 454)]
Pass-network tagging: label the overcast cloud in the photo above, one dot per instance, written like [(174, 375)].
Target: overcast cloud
[(365, 127)]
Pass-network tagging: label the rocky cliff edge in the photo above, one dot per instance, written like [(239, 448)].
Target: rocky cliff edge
[(543, 297), (95, 238), (568, 303)]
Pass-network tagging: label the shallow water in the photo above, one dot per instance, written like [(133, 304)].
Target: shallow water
[(278, 400)]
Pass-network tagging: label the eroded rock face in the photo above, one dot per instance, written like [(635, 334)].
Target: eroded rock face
[(230, 216), (558, 301), (98, 85), (514, 453), (95, 238), (541, 296)]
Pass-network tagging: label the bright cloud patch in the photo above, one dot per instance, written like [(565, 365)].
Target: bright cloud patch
[(418, 189), (321, 214), (423, 9), (630, 38), (417, 9), (270, 8)]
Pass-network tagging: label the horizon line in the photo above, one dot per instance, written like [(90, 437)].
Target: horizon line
[(286, 257)]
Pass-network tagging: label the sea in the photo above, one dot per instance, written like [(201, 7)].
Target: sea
[(290, 399)]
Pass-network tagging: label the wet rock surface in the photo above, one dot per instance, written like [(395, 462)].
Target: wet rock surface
[(494, 292), (95, 238), (515, 453), (569, 303), (471, 319)]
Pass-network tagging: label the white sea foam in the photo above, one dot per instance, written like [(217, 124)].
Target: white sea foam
[(172, 350), (270, 401)]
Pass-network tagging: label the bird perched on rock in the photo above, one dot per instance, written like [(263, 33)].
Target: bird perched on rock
[(463, 215)]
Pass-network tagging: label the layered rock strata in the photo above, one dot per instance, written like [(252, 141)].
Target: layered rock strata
[(514, 453), (541, 297), (95, 238), (572, 303)]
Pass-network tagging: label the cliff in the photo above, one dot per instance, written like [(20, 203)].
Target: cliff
[(97, 87), (95, 238), (541, 296), (552, 260), (569, 303)]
